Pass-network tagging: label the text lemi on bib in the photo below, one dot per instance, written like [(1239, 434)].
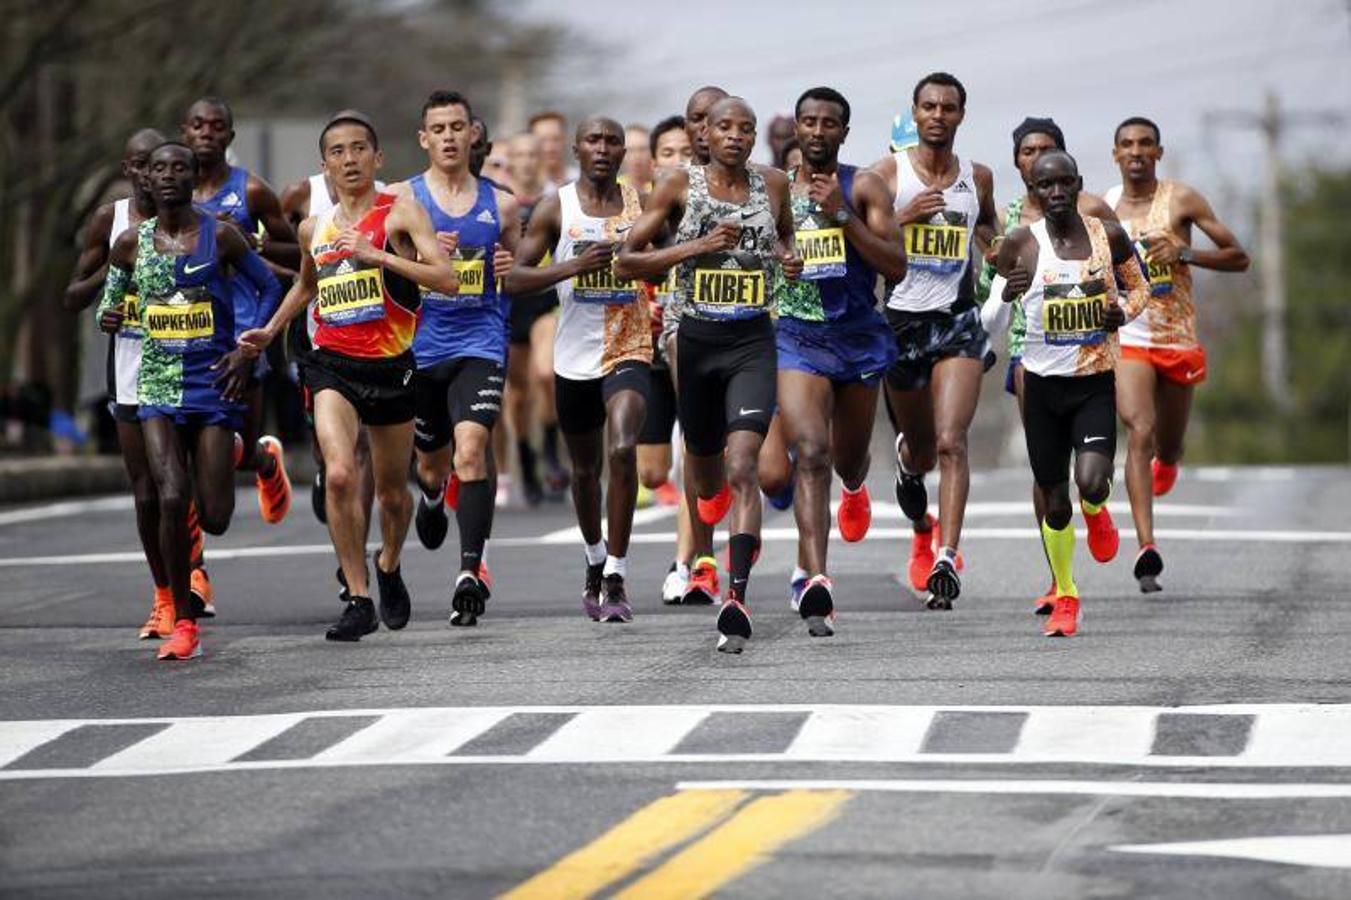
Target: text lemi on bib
[(944, 243)]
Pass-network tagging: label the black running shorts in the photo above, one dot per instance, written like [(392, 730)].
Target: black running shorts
[(661, 409), (728, 375), (925, 339), (1064, 414), (581, 403), (462, 389), (526, 311), (381, 390)]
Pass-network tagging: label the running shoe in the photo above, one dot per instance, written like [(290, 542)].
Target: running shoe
[(1165, 476), (1064, 620), (203, 596), (196, 539), (1103, 538), (795, 588), (318, 499), (453, 491), (855, 515), (1043, 605), (591, 590), (817, 606), (274, 491), (734, 626), (468, 602), (395, 604), (645, 497), (1148, 567), (783, 499), (502, 500), (616, 607), (673, 588), (182, 643), (344, 595), (667, 494), (922, 554), (702, 587), (485, 575), (911, 495), (161, 621), (938, 544), (713, 510), (943, 584), (431, 522), (358, 619)]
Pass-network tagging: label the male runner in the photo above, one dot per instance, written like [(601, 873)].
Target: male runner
[(1065, 269), (551, 128), (124, 359), (530, 360), (461, 344), (191, 375), (1162, 360), (1032, 138), (833, 344), (942, 204), (602, 354), (735, 232), (638, 170), (359, 260), (232, 193)]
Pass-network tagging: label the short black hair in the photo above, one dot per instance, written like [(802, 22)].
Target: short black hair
[(216, 103), (438, 99), (827, 94), (181, 146), (349, 117), (670, 123), (1138, 120), (1035, 125), (944, 79)]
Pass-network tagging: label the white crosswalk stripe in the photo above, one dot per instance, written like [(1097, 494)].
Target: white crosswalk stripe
[(1232, 736)]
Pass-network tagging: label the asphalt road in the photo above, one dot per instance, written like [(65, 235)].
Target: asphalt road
[(915, 754)]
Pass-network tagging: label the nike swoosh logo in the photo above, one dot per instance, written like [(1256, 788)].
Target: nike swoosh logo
[(1089, 440), (749, 215), (1097, 271), (748, 412), (1191, 375), (188, 270)]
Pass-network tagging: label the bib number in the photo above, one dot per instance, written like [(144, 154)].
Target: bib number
[(1072, 314), (822, 251), (473, 282), (729, 293), (181, 323), (1160, 275), (131, 317), (938, 247), (601, 287), (351, 298)]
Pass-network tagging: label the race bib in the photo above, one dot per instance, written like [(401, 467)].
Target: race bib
[(822, 252), (936, 246), (602, 286), (729, 293), (1160, 275), (131, 317), (182, 322), (351, 298), (1073, 313), (472, 273)]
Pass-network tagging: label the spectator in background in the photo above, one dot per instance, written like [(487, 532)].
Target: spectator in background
[(637, 166), (552, 130)]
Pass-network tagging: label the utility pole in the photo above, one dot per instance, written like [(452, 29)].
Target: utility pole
[(1271, 123)]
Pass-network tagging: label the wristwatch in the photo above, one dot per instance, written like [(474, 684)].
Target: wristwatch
[(1186, 255), (841, 215)]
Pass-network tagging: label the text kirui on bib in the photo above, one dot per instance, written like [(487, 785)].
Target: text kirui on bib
[(601, 286)]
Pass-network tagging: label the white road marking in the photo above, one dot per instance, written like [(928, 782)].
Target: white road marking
[(1197, 790), (64, 509), (573, 534), (1332, 851), (1090, 735)]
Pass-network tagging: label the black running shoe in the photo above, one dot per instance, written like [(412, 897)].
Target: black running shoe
[(911, 494), (616, 607), (395, 604), (468, 602), (357, 620), (944, 585), (431, 522), (318, 501), (734, 626), (591, 590), (1148, 567), (344, 596), (817, 607)]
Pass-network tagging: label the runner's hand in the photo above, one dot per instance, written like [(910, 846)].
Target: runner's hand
[(792, 265), (825, 192), (450, 242), (724, 236), (1161, 248), (1017, 282), (112, 319), (596, 258), (503, 259), (359, 245), (1113, 317), (256, 340), (922, 207), (235, 368)]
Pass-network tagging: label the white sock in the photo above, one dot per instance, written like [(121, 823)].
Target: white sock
[(595, 553), (799, 574), (683, 569), (433, 499), (616, 565)]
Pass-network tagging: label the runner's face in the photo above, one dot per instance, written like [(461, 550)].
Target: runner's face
[(731, 135), (523, 159), (637, 156), (696, 122), (350, 157), (820, 131), (446, 135), (1056, 185), (207, 131), (1137, 152), (172, 176), (600, 150), (551, 140), (1030, 150), (673, 149), (938, 113), (136, 166)]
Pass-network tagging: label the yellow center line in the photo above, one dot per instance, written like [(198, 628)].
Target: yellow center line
[(631, 844), (745, 841)]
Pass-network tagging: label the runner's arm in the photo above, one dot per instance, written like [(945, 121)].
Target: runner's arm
[(987, 220), (121, 259), (295, 200), (249, 264), (92, 266), (302, 291), (1014, 265), (667, 201), (278, 241), (1228, 255), (1095, 206), (432, 269), (541, 234), (1129, 269), (873, 231)]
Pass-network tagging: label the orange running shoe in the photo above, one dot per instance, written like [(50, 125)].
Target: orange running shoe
[(183, 643), (274, 492), (1064, 620), (922, 546), (1103, 537), (855, 514), (202, 593), (196, 538), (161, 621), (667, 494), (452, 491), (485, 576), (1045, 604), (702, 588), (1165, 476), (714, 509)]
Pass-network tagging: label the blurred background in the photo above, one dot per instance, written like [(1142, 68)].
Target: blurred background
[(1253, 98)]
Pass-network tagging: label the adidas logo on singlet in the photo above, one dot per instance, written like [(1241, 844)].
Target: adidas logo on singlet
[(1076, 293), (961, 187), (344, 267), (486, 218)]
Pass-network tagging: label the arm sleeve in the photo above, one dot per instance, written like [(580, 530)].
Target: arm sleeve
[(252, 267), (994, 312), (114, 289), (1133, 284)]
